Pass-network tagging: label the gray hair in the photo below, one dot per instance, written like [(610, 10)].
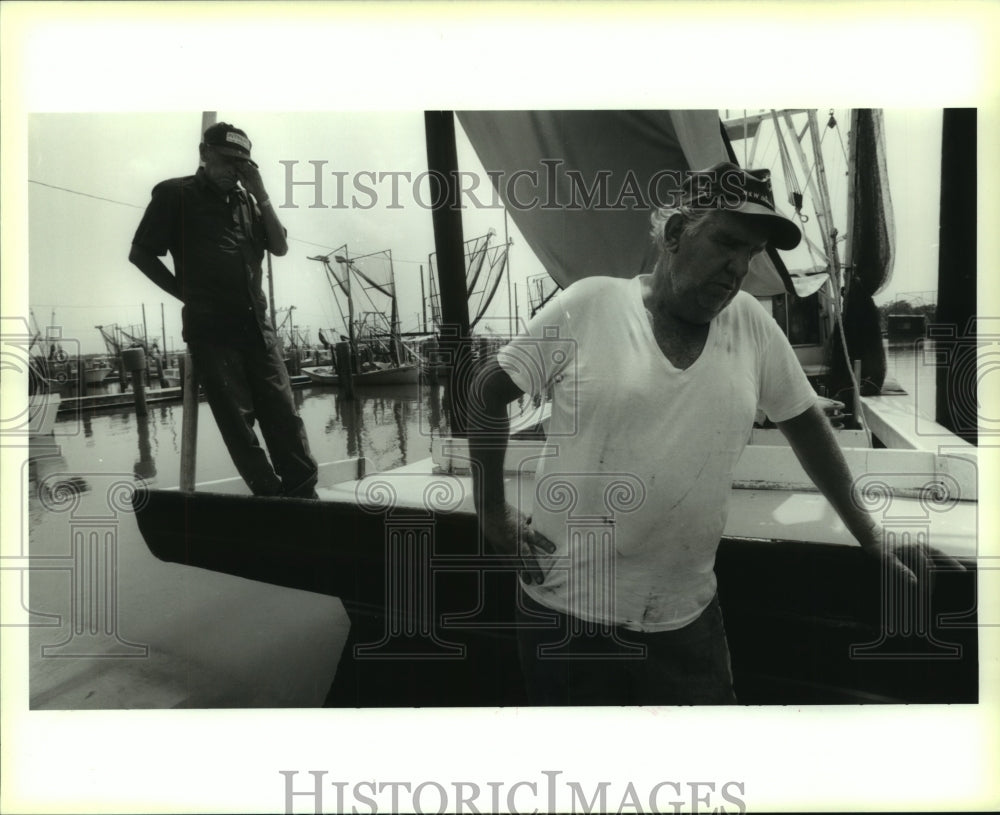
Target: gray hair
[(694, 220)]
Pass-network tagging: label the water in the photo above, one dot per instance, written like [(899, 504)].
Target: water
[(913, 365), (148, 634), (392, 426)]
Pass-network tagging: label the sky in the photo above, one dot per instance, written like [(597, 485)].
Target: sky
[(90, 176)]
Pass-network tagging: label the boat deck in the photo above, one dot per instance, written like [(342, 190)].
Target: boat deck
[(756, 514)]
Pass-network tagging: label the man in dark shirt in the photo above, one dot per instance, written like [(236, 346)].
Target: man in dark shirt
[(217, 233)]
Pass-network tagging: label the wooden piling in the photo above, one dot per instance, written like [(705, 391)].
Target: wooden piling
[(134, 360), (189, 423), (345, 370)]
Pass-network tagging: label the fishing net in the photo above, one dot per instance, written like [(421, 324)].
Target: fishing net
[(873, 238), (873, 229)]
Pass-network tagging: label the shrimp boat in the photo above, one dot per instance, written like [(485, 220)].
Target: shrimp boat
[(97, 371), (378, 355), (431, 608)]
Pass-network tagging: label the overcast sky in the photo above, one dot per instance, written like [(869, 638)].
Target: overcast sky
[(90, 175)]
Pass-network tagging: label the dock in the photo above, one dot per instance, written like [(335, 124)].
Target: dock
[(79, 404)]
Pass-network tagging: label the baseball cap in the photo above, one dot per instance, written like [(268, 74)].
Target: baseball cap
[(729, 187), (229, 140)]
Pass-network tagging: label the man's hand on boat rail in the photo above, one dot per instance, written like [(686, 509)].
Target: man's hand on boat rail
[(508, 532), (910, 563)]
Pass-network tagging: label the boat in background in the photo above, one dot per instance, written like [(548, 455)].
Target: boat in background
[(97, 371), (377, 351), (381, 374), (172, 377), (322, 375)]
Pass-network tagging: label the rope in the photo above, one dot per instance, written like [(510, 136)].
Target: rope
[(859, 413), (84, 194)]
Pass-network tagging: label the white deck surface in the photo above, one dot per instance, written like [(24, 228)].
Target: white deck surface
[(773, 514)]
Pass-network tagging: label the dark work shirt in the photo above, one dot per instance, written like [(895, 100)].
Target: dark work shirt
[(217, 242)]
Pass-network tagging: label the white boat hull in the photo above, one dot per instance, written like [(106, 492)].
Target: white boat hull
[(95, 376), (401, 375)]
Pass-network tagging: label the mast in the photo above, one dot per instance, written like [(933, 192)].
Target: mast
[(442, 163), (820, 194), (163, 330), (829, 229), (397, 356), (852, 155), (958, 382), (423, 299), (350, 309)]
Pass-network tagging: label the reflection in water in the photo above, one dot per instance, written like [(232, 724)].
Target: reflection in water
[(434, 409), (145, 468), (398, 409), (49, 472), (352, 419), (389, 425)]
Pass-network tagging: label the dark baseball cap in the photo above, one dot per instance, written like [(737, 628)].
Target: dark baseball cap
[(228, 140), (728, 187)]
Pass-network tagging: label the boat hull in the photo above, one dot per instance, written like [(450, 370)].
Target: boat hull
[(804, 621), (401, 375), (321, 375), (95, 376), (392, 658)]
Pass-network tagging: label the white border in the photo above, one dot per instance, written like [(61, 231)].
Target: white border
[(124, 56)]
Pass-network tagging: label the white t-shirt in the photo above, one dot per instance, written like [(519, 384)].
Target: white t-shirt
[(634, 485)]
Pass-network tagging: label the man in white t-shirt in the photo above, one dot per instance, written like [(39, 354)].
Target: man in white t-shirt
[(655, 383)]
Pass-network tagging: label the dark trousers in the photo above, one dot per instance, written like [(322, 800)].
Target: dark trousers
[(567, 661), (248, 385)]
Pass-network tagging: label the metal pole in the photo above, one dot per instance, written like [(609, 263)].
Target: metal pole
[(163, 331), (350, 312), (852, 151), (510, 309), (430, 290), (824, 191), (423, 298), (395, 343)]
